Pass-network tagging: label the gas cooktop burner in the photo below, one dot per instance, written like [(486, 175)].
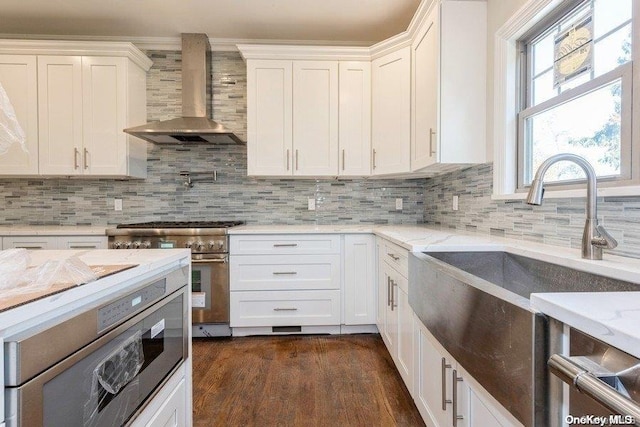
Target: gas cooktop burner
[(183, 224)]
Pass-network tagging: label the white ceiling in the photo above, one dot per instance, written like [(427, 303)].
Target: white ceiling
[(358, 22)]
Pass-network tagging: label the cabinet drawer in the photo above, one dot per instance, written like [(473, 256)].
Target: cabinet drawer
[(30, 242), (285, 308), (287, 244), (281, 272), (82, 242), (397, 257)]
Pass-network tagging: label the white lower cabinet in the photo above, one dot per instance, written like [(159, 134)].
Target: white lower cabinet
[(359, 280), (171, 407), (445, 394), (54, 242), (172, 413)]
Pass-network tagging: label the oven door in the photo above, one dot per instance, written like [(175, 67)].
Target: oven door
[(210, 288), (110, 380)]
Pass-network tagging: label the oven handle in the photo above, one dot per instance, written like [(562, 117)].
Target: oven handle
[(209, 261), (575, 375)]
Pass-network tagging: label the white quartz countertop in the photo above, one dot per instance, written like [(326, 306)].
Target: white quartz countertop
[(612, 317), (52, 230), (150, 263)]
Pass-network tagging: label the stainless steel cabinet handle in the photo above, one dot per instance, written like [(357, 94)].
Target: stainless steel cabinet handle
[(285, 309), (284, 273), (374, 158), (388, 291), (83, 247), (287, 159), (577, 376), (297, 164), (454, 391), (342, 159), (29, 247), (285, 245), (431, 135), (86, 161), (395, 258), (76, 153), (443, 377), (393, 296), (209, 261)]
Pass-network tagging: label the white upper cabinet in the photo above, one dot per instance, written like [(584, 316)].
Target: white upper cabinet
[(449, 85), (75, 110), (307, 117), (391, 112), (18, 76), (355, 118), (60, 115), (269, 115), (315, 118)]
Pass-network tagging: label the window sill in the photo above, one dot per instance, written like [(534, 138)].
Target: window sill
[(628, 191)]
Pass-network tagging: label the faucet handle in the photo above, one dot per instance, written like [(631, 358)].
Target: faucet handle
[(604, 239)]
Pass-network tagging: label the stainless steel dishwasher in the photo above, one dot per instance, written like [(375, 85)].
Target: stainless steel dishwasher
[(604, 382)]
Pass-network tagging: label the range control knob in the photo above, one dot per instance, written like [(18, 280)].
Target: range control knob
[(136, 244), (127, 245), (212, 244), (188, 244), (117, 245), (146, 244), (200, 246)]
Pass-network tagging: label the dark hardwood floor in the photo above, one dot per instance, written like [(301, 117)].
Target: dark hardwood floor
[(346, 380)]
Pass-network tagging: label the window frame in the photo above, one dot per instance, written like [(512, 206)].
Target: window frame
[(504, 103), (628, 164)]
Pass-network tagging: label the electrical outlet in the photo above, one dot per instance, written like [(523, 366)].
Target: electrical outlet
[(398, 204), (455, 203), (311, 204), (117, 204)]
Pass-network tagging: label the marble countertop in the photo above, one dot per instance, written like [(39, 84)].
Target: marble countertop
[(150, 263), (52, 230)]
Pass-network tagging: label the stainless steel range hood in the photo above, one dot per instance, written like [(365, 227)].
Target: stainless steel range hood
[(194, 125)]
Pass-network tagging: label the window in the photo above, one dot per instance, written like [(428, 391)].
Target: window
[(575, 92)]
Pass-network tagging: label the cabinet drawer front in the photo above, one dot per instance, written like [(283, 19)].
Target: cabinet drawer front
[(277, 272), (285, 308), (396, 257), (30, 242), (82, 242), (285, 244)]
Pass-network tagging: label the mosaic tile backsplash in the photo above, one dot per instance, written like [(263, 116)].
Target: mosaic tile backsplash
[(556, 222), (234, 196)]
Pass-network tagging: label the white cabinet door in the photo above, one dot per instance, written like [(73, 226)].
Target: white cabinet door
[(432, 392), (269, 114), (18, 76), (382, 286), (391, 112), (424, 78), (405, 335), (315, 118), (104, 82), (389, 330), (359, 280), (60, 114), (173, 412), (355, 118)]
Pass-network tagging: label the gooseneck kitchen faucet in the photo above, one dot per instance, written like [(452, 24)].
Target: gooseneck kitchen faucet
[(594, 237)]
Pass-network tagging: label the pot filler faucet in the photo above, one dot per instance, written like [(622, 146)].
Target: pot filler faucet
[(594, 237)]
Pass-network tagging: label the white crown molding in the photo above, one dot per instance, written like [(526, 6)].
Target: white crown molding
[(75, 47), (314, 53)]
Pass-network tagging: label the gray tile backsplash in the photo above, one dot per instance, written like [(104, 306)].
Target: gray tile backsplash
[(234, 196), (557, 221)]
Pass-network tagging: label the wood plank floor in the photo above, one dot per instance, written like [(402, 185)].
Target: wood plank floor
[(346, 380)]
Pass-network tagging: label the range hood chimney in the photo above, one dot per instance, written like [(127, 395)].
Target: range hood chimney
[(195, 125)]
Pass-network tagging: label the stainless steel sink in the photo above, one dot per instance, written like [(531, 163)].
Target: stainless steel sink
[(476, 304)]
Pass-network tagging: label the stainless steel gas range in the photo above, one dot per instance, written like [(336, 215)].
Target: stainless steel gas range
[(209, 244)]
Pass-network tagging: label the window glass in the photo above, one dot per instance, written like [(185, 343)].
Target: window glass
[(610, 14), (588, 126)]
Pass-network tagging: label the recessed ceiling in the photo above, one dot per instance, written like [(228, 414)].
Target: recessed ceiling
[(359, 22)]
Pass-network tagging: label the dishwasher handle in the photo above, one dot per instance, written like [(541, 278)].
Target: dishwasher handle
[(575, 375)]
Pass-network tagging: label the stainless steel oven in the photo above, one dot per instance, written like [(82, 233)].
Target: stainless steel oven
[(101, 366), (209, 244)]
